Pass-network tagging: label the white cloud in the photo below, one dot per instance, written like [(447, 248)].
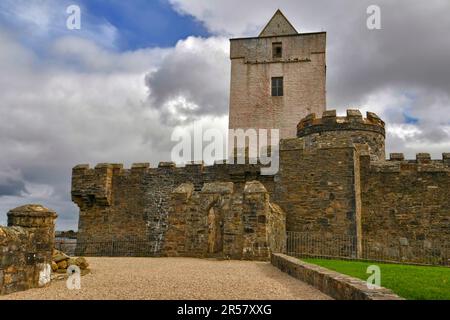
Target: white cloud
[(36, 22), (86, 104), (231, 17), (40, 191), (37, 15), (192, 80)]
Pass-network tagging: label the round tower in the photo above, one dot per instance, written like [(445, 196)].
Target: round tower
[(359, 130)]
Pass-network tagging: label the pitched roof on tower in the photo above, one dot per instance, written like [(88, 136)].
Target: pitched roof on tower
[(278, 25)]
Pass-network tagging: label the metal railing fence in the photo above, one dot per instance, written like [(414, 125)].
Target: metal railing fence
[(398, 250), (298, 244), (113, 248)]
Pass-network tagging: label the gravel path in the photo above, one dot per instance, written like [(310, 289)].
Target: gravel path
[(177, 278)]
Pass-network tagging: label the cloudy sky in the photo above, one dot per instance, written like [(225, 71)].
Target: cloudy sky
[(137, 70)]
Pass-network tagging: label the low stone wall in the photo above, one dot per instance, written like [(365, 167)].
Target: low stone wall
[(336, 285), (26, 248)]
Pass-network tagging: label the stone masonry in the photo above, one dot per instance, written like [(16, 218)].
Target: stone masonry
[(26, 247), (334, 181), (253, 64), (219, 222), (118, 204)]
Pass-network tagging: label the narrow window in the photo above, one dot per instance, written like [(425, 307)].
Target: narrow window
[(277, 86), (277, 50)]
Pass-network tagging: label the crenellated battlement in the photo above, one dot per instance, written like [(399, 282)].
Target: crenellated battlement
[(422, 163), (353, 129), (94, 186), (118, 168), (330, 122), (421, 158)]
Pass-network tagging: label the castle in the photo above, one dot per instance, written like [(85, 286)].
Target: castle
[(334, 179)]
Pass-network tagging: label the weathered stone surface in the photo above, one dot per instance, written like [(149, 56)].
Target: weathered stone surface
[(334, 284), (254, 187), (26, 248), (71, 261), (31, 216), (396, 157), (59, 256), (353, 127), (63, 264), (302, 66), (334, 180), (62, 261), (219, 222), (218, 187), (405, 209), (140, 208), (82, 263), (277, 26)]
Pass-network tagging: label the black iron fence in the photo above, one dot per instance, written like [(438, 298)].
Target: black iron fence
[(299, 244), (399, 250), (113, 248)]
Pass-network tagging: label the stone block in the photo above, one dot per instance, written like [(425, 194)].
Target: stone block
[(446, 158), (218, 187), (329, 114), (81, 167), (140, 167), (403, 241), (32, 216), (254, 187), (423, 158), (396, 157), (354, 115), (166, 165), (336, 285)]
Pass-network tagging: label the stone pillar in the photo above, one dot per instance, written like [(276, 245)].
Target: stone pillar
[(255, 214), (176, 238), (40, 223)]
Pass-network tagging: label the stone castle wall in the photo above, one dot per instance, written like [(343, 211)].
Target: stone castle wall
[(118, 204), (319, 179), (333, 182), (26, 247), (316, 187), (406, 206), (222, 222)]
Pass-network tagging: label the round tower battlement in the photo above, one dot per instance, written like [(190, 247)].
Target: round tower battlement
[(369, 130), (330, 122)]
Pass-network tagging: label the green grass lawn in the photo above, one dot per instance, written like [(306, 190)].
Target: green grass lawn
[(410, 282)]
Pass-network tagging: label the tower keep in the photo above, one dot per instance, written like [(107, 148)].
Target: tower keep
[(277, 78)]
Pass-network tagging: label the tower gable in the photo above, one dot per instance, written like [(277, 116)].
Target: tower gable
[(279, 25)]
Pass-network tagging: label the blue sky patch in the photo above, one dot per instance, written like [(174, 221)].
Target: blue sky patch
[(114, 24), (143, 23), (410, 119)]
